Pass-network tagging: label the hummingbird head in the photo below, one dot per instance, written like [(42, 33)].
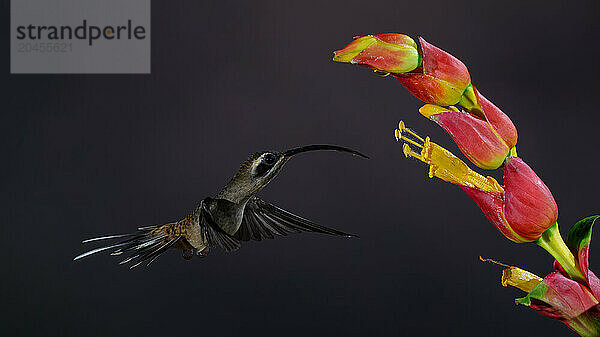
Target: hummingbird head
[(261, 167)]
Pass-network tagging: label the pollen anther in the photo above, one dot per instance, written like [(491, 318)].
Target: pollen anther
[(399, 133)]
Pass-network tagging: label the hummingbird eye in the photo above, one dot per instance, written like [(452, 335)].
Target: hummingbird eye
[(266, 163), (269, 159)]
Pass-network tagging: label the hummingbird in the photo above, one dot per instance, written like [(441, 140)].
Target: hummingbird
[(233, 216)]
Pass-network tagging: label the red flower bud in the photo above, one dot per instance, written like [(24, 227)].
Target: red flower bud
[(498, 120), (484, 133), (474, 136), (529, 206), (442, 79), (524, 210)]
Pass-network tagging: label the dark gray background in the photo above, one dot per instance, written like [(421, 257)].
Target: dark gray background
[(93, 154)]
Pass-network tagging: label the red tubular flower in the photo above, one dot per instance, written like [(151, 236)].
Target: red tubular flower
[(522, 210), (428, 72), (528, 203), (498, 120), (558, 295), (476, 137), (525, 210), (482, 131), (442, 79), (485, 134), (569, 301)]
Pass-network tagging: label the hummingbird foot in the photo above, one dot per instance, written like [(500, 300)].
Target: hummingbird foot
[(203, 253), (188, 253)]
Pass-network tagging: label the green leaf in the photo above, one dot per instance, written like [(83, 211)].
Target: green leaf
[(578, 241), (581, 233)]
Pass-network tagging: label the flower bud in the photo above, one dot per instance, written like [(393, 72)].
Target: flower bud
[(483, 132), (431, 74), (389, 53), (496, 118), (474, 136), (526, 208), (529, 206), (442, 80)]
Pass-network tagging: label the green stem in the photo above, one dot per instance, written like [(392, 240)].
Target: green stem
[(554, 244)]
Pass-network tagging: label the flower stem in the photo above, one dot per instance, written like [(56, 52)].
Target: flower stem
[(555, 245)]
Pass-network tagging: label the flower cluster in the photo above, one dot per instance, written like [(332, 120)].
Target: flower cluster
[(482, 131), (523, 209)]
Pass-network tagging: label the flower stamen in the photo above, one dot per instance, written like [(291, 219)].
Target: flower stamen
[(442, 163), (403, 127), (408, 152), (399, 135)]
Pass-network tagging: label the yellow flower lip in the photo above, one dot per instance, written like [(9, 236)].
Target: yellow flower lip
[(519, 278), (516, 277), (442, 163), (429, 110)]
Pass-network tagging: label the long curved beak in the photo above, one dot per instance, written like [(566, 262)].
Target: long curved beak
[(321, 147)]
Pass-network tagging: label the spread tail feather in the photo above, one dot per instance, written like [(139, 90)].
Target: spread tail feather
[(147, 244)]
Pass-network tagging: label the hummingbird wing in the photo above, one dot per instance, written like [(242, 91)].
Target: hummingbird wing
[(263, 220)]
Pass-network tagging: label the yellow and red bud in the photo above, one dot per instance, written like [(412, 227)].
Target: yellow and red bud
[(389, 53), (442, 79), (482, 131), (431, 74)]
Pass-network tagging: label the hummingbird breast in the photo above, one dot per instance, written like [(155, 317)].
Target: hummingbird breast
[(227, 215)]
